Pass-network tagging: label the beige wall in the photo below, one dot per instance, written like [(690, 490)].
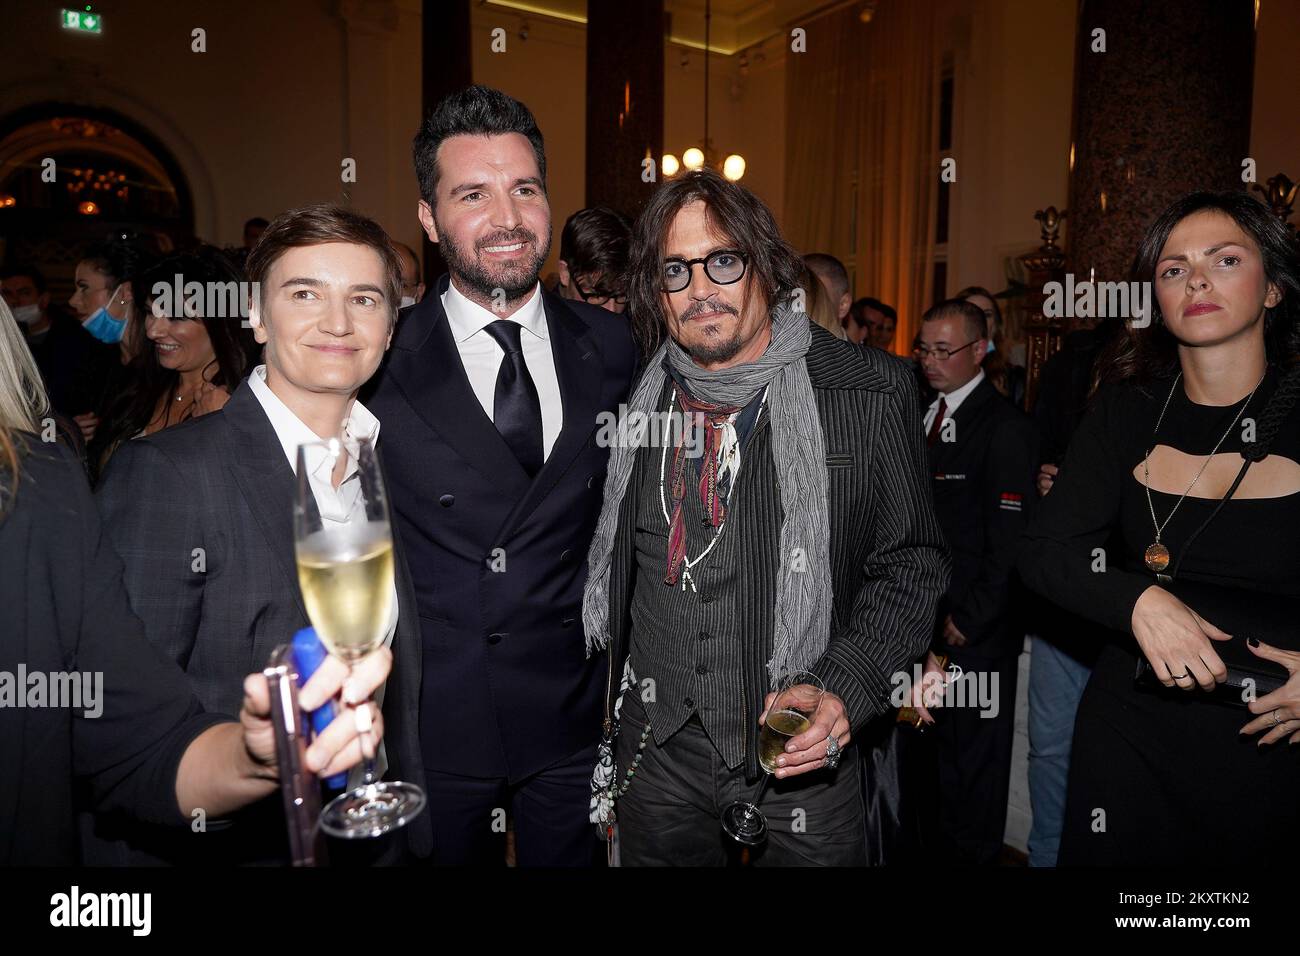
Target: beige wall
[(383, 113), (263, 119), (286, 91), (746, 112), (548, 72), (1013, 80)]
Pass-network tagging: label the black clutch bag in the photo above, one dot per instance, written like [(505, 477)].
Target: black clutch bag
[(1248, 680)]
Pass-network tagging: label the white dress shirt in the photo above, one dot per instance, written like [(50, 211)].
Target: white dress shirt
[(481, 355), (952, 401), (340, 506)]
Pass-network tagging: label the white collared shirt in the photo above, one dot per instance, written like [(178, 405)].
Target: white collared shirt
[(952, 401), (482, 357), (338, 506)]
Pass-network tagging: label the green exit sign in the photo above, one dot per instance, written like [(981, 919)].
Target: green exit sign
[(83, 21)]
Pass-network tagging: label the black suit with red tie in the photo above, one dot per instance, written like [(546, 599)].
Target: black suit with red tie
[(983, 469), (498, 707)]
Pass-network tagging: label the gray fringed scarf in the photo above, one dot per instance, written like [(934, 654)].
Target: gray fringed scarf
[(803, 591)]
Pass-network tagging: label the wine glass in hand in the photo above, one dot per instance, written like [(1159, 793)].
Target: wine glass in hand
[(791, 711), (344, 547)]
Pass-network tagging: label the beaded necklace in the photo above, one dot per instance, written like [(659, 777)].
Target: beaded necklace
[(730, 464)]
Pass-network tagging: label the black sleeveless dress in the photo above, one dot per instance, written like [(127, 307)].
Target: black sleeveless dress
[(1166, 778)]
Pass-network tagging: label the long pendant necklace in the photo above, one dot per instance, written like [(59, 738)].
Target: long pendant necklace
[(730, 463), (1157, 554), (687, 564)]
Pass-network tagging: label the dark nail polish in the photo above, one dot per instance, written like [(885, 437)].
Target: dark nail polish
[(1253, 641)]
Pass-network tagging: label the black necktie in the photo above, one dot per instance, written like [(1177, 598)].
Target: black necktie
[(516, 410)]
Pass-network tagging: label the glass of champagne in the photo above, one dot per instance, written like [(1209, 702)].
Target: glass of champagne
[(345, 570), (792, 711)]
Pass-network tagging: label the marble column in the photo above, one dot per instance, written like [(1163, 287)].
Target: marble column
[(1163, 111), (625, 100)]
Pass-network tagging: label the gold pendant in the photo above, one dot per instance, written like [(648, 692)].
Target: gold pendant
[(1157, 557)]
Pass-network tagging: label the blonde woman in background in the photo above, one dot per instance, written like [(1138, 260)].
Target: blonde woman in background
[(23, 402), (999, 365), (819, 305)]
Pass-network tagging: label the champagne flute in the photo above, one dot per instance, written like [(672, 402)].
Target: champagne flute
[(345, 570), (792, 711)]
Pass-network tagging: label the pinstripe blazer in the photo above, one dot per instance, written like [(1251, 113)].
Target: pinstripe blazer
[(202, 516), (889, 561)]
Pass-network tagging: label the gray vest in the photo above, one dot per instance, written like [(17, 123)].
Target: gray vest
[(685, 643)]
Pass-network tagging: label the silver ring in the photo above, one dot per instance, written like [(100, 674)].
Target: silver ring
[(833, 751), (1277, 721)]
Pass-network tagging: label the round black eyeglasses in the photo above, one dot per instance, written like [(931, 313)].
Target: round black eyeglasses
[(723, 267)]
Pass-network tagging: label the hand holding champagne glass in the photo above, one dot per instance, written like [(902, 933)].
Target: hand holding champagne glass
[(791, 711), (345, 570)]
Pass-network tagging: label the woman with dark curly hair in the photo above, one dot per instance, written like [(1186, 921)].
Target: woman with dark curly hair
[(103, 303), (1171, 525), (189, 358)]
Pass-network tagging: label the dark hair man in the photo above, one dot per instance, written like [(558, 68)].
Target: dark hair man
[(983, 455), (593, 258), (871, 322), (490, 402), (802, 538)]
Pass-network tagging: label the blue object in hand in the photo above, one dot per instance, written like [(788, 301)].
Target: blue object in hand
[(308, 654)]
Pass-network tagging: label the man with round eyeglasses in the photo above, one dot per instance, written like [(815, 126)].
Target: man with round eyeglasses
[(593, 258), (711, 579), (983, 455)]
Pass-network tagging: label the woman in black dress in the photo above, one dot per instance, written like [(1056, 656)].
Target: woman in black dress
[(1145, 534)]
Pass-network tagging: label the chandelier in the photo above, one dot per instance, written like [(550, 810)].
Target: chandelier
[(695, 157)]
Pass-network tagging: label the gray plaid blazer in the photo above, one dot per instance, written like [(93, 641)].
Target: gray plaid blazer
[(202, 516)]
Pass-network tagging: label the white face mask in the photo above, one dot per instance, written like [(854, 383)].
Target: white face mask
[(28, 314), (406, 300)]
